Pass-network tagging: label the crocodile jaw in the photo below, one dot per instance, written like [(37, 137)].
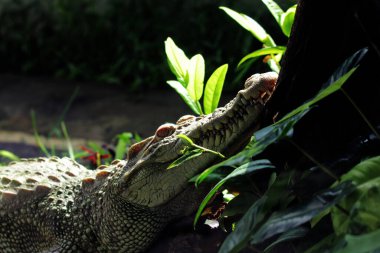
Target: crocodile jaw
[(147, 181)]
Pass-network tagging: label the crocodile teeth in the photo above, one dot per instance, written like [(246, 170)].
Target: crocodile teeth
[(235, 128), (205, 142), (244, 101), (218, 125), (217, 140), (228, 133), (211, 141)]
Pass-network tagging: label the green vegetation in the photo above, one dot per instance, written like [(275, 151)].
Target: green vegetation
[(270, 49), (260, 213), (116, 41)]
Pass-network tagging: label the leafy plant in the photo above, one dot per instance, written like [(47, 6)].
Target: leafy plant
[(257, 223), (190, 74), (270, 48)]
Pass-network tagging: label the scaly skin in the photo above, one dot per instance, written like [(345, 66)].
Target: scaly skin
[(57, 205)]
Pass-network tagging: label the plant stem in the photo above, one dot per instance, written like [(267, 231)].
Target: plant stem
[(311, 158), (373, 129), (208, 150)]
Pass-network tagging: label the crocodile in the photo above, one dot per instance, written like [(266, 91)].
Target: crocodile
[(57, 205)]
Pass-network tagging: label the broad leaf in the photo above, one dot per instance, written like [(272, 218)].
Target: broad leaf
[(196, 77), (250, 25), (177, 60), (285, 220), (276, 10), (178, 87), (287, 20), (363, 203), (263, 51), (361, 243), (214, 88), (241, 170)]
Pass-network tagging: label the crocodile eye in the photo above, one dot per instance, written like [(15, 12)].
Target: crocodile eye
[(136, 148), (165, 130), (185, 119)]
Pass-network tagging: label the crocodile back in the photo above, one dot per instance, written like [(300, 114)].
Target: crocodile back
[(32, 179)]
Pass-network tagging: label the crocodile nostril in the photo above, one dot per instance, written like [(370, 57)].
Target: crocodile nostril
[(165, 130)]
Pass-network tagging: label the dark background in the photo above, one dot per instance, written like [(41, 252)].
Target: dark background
[(100, 66)]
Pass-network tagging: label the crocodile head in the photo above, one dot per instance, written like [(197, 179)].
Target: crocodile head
[(148, 182)]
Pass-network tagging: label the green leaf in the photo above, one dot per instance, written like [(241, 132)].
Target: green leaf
[(361, 243), (287, 20), (123, 140), (177, 60), (196, 77), (241, 170), (185, 157), (292, 234), (239, 238), (322, 94), (335, 82), (178, 87), (362, 204), (214, 88), (285, 220), (9, 155), (263, 51), (274, 9), (250, 25)]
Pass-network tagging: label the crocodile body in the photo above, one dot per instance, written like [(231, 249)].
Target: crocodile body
[(57, 205)]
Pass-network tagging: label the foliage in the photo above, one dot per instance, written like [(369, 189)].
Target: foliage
[(257, 225), (270, 48), (112, 41), (190, 79)]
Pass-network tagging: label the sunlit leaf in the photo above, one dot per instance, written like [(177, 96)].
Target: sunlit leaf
[(276, 10), (178, 87), (177, 60), (287, 20), (123, 140), (9, 155), (263, 51), (214, 88), (196, 77), (250, 25), (185, 157), (241, 170)]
